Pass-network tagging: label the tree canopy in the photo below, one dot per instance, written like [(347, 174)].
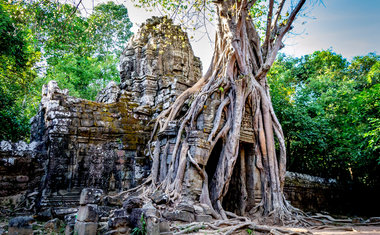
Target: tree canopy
[(329, 109), (49, 40)]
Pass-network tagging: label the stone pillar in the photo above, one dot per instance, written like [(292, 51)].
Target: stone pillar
[(152, 221), (88, 216)]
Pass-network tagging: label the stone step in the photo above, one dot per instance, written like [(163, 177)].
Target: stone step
[(57, 201), (72, 199), (103, 219), (64, 198)]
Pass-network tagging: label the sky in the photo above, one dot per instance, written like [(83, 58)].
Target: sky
[(348, 27)]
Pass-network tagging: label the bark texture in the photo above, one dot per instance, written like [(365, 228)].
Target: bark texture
[(235, 81)]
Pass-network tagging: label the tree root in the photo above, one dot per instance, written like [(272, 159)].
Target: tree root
[(329, 219), (231, 226), (124, 194), (350, 229), (201, 172)]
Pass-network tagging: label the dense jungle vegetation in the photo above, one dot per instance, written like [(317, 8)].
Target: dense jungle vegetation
[(329, 106), (44, 40)]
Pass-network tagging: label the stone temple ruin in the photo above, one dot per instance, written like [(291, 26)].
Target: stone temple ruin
[(77, 143)]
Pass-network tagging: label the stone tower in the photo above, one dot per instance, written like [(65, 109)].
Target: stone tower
[(103, 144)]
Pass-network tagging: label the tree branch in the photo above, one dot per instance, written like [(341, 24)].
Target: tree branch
[(269, 24), (251, 3), (278, 13), (292, 17), (276, 47)]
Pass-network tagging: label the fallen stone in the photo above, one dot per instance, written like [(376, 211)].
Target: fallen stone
[(374, 219), (69, 230), (88, 213), (151, 220), (45, 215), (132, 202), (53, 225), (203, 218), (62, 212), (135, 218), (113, 201), (119, 218), (149, 210), (5, 146), (198, 210), (120, 231), (104, 211), (176, 215), (119, 213), (85, 228), (90, 196), (21, 222), (207, 210), (152, 226), (70, 219), (185, 207), (164, 226), (117, 222), (159, 198)]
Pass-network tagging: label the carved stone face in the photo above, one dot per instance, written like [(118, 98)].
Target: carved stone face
[(180, 60), (97, 155), (159, 49)]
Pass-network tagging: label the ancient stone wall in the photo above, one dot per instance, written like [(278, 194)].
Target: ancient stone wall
[(103, 144), (312, 193), (20, 170), (90, 143)]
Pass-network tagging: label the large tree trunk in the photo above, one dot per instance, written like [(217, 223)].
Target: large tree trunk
[(235, 81)]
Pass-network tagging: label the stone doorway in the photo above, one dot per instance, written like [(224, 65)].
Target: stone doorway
[(213, 160), (245, 185)]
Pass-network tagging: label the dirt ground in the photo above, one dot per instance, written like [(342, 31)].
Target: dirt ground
[(349, 230), (346, 230), (368, 230)]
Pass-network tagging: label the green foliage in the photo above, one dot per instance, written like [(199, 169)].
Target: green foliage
[(366, 70), (17, 72), (250, 231), (47, 40), (196, 14), (259, 13), (329, 110), (82, 53), (113, 23), (12, 36), (142, 230), (374, 134)]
